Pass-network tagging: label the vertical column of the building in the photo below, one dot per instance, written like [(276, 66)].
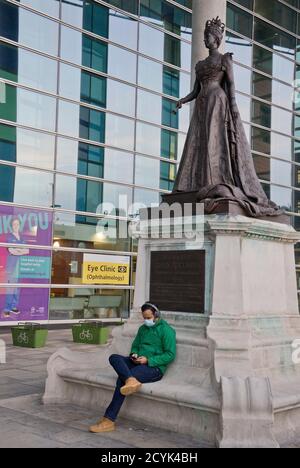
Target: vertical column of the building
[(204, 10)]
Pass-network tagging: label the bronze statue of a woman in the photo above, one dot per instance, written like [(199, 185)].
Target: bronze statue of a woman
[(217, 161)]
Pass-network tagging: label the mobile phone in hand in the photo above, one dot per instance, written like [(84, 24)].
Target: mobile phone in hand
[(134, 356)]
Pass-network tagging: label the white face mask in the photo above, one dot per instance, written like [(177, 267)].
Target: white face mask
[(149, 322)]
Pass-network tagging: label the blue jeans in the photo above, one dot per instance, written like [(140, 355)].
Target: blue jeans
[(125, 368)]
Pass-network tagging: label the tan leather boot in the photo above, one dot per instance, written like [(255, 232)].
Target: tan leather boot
[(104, 425), (132, 385)]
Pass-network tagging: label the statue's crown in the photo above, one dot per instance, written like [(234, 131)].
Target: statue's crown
[(215, 25)]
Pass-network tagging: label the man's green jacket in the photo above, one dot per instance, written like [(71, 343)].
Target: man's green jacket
[(157, 344)]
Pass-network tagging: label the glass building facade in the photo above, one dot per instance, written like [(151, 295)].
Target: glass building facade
[(87, 90), (87, 93)]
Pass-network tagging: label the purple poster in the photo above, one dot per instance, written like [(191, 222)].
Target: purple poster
[(20, 263)]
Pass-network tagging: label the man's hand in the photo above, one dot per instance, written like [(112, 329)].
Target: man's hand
[(142, 360)]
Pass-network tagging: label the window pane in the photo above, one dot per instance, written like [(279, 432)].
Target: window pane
[(38, 32), (85, 303), (70, 81), (273, 64), (145, 198), (27, 68), (50, 7), (120, 98), (274, 38), (242, 77), (17, 186), (151, 42), (122, 64), (281, 172), (244, 104), (93, 89), (277, 13), (69, 231), (261, 140), (119, 132), (239, 21), (102, 21), (281, 146), (148, 139), (241, 48), (149, 107), (147, 172), (28, 108), (118, 166), (68, 118), (167, 16), (150, 74)]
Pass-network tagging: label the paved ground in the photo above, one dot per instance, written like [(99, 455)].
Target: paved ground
[(25, 422)]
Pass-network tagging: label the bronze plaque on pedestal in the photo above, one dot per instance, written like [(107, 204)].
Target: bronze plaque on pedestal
[(177, 280)]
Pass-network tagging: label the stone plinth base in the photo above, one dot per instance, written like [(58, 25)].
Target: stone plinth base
[(235, 381)]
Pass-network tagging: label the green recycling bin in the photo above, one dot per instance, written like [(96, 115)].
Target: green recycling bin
[(29, 335), (87, 332)]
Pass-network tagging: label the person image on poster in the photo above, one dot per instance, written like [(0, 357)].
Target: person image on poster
[(12, 269)]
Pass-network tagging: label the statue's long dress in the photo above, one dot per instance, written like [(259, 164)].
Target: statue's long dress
[(217, 160)]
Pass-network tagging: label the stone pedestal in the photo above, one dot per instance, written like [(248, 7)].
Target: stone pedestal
[(234, 382)]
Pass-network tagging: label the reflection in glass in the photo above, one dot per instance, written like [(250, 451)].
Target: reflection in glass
[(262, 167), (91, 196), (261, 140), (122, 64), (239, 20), (282, 197), (145, 198), (26, 147), (281, 172), (17, 186), (170, 17), (244, 104), (150, 74), (27, 68), (148, 139), (38, 32), (281, 146), (149, 107), (28, 108), (278, 13), (242, 79), (68, 118), (147, 172), (241, 48), (50, 7), (151, 42), (120, 97), (118, 166), (84, 303), (274, 38), (91, 233), (273, 64)]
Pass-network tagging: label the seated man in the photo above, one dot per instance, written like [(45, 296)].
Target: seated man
[(153, 349)]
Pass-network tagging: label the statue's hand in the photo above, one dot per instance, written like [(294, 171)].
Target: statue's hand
[(179, 104)]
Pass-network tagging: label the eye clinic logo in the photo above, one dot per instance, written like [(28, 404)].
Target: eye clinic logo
[(2, 352), (122, 269), (296, 353)]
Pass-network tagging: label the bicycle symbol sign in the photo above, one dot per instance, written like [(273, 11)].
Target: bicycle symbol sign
[(86, 335), (23, 338)]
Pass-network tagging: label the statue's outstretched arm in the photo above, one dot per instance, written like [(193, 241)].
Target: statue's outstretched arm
[(190, 97)]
